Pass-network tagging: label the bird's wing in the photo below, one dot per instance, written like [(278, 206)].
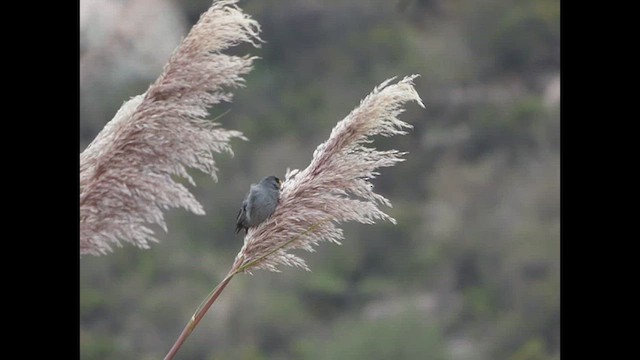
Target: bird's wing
[(242, 216)]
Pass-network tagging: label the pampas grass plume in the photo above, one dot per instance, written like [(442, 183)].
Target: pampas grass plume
[(127, 172), (335, 187)]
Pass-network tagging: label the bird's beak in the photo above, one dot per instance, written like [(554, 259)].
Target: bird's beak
[(280, 183)]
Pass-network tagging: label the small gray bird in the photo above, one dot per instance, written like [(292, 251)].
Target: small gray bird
[(260, 203)]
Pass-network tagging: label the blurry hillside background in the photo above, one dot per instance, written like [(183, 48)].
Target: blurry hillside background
[(471, 270)]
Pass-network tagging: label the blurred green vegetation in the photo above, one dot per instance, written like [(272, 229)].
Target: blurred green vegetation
[(471, 270)]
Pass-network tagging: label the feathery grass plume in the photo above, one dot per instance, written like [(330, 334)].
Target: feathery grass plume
[(335, 187), (126, 172)]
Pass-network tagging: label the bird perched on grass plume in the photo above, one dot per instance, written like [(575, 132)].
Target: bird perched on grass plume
[(260, 203)]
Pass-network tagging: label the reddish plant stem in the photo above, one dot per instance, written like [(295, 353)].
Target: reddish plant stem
[(211, 298), (197, 316)]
